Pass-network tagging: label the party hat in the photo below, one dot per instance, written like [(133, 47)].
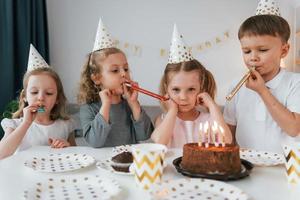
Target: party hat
[(35, 60), (103, 39), (179, 52), (267, 7)]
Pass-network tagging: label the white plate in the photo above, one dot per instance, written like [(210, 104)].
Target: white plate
[(262, 158), (106, 165), (83, 187), (196, 189), (120, 149), (59, 162)]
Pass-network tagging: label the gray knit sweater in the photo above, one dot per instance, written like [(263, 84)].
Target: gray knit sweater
[(121, 129)]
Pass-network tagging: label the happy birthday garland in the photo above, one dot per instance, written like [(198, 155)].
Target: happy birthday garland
[(136, 50)]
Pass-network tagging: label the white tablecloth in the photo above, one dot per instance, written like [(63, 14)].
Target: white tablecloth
[(262, 184)]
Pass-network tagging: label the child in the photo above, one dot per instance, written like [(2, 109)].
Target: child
[(266, 111), (106, 117), (41, 118), (188, 84)]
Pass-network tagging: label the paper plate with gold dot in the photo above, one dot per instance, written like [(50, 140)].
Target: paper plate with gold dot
[(122, 148), (196, 189), (262, 158), (60, 162), (83, 187)]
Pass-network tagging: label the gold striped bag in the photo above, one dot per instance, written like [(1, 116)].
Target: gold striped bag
[(292, 164), (148, 162)]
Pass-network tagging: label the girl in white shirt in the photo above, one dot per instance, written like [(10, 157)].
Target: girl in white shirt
[(41, 117)]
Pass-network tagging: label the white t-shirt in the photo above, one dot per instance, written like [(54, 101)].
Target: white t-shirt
[(255, 127), (38, 134)]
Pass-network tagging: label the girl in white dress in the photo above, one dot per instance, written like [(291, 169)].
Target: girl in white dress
[(187, 84), (41, 118)]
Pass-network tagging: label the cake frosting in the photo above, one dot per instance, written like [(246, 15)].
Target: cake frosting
[(211, 160)]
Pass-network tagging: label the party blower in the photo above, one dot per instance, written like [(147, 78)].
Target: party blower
[(137, 88), (239, 85)]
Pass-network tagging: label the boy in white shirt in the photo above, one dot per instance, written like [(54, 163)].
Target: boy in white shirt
[(266, 111)]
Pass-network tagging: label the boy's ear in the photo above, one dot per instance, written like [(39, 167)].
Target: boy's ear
[(96, 78), (285, 50)]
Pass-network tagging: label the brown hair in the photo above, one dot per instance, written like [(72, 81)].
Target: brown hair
[(272, 25), (207, 81), (59, 109), (88, 91)]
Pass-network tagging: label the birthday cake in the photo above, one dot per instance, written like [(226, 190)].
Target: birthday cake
[(211, 160)]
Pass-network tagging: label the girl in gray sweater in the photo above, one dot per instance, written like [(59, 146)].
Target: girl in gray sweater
[(110, 113)]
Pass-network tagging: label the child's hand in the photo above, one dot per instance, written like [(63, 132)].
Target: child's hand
[(130, 94), (205, 99), (131, 97), (256, 82), (105, 96), (58, 143), (170, 104), (29, 113)]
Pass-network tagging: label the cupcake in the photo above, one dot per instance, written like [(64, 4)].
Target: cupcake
[(122, 161)]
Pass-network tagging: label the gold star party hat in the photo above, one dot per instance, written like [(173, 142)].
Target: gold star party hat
[(179, 52), (35, 60), (267, 7), (103, 39)]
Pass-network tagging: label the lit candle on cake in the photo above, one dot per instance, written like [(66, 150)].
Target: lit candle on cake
[(215, 133), (206, 126), (222, 136), (203, 134), (200, 134), (209, 133)]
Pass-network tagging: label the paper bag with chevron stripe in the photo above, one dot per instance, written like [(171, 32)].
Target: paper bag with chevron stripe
[(292, 164), (148, 162)]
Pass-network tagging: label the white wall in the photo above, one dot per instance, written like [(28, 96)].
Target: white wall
[(149, 24), (297, 15)]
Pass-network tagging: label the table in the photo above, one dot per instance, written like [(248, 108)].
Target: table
[(263, 182)]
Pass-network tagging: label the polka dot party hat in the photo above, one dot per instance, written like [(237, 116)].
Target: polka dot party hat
[(267, 7), (179, 52), (103, 39), (35, 60)]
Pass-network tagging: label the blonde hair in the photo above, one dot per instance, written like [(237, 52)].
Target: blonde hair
[(59, 109), (207, 81), (88, 91)]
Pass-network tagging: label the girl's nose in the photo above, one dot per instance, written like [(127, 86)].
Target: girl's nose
[(41, 97), (182, 95), (123, 73)]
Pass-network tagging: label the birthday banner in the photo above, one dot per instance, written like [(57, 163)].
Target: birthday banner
[(136, 50), (202, 46), (129, 48)]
